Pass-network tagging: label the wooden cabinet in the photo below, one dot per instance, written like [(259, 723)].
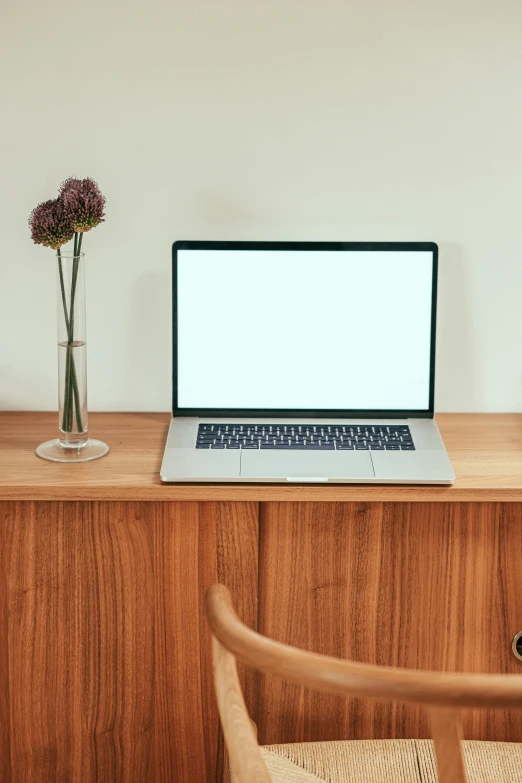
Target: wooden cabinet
[(105, 671), (417, 585), (105, 658)]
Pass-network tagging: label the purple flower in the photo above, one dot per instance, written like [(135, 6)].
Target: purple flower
[(83, 203), (50, 226)]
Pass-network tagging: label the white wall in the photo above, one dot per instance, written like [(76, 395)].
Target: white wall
[(260, 119)]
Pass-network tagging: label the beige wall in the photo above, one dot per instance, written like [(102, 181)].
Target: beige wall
[(273, 119)]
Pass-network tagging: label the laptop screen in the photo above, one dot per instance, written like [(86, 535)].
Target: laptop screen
[(312, 330)]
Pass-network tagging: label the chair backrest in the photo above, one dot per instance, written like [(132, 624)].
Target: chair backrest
[(442, 693)]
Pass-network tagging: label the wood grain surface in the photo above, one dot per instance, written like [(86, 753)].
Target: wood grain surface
[(105, 662), (425, 586), (485, 450), (5, 729)]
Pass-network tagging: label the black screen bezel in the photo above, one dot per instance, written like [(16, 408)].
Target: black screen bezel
[(301, 413)]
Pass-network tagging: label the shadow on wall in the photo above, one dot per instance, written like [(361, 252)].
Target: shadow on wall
[(456, 362), (150, 340)]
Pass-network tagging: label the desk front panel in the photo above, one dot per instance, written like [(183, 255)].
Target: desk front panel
[(105, 670), (105, 664), (420, 585)]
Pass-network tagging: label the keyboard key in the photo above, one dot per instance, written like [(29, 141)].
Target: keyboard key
[(345, 437)]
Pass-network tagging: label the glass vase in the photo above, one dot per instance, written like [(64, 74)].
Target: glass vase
[(73, 443)]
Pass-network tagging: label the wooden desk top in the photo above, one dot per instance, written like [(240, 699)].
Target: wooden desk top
[(485, 450)]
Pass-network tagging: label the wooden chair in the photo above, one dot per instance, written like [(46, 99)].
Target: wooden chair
[(372, 760)]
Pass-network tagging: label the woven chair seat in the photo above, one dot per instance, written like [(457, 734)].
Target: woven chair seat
[(387, 761)]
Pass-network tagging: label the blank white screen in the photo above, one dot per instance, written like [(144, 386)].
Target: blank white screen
[(311, 330)]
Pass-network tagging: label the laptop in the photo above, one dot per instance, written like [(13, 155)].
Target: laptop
[(304, 362)]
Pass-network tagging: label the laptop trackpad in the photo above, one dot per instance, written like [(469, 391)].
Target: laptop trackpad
[(288, 464), (200, 465)]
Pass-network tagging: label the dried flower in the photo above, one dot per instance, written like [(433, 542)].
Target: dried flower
[(83, 202), (79, 207), (50, 226)]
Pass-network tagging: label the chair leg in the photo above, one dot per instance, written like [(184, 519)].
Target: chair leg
[(227, 773), (446, 730)]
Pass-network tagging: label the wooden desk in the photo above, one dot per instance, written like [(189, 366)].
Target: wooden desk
[(105, 670)]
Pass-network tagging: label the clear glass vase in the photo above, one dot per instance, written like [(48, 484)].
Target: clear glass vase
[(73, 443)]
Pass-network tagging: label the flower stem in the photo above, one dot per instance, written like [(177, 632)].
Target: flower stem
[(76, 394), (66, 397), (67, 406), (74, 382), (62, 288), (71, 393)]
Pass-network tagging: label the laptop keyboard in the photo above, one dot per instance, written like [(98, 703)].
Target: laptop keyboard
[(317, 437)]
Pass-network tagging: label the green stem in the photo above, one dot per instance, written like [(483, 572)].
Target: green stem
[(71, 393), (76, 394), (64, 305), (62, 288), (67, 395), (76, 262), (74, 382), (68, 402)]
